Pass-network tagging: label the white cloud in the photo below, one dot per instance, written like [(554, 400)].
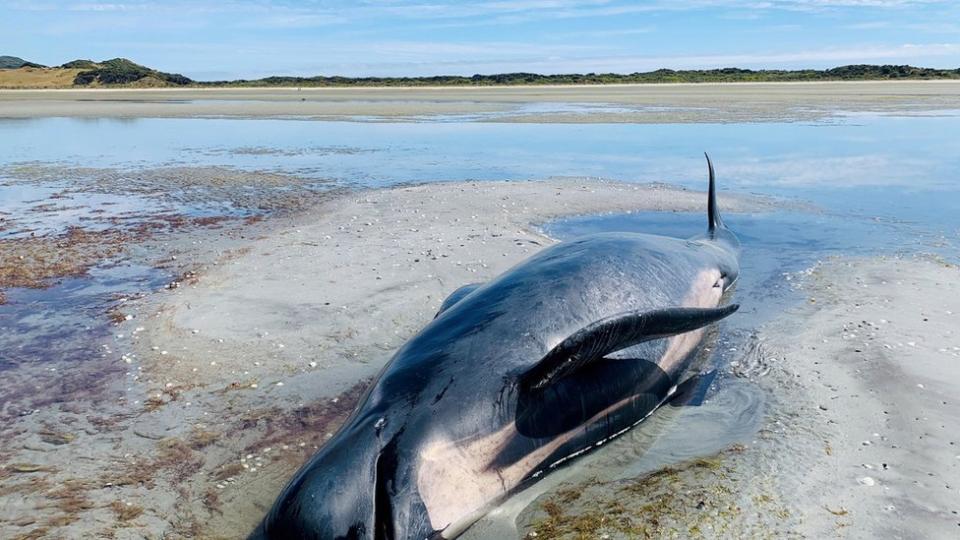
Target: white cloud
[(528, 9), (871, 25), (477, 58), (104, 7), (846, 54), (403, 58), (294, 20)]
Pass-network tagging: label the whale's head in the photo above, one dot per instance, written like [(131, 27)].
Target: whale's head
[(351, 489), (725, 269), (719, 239)]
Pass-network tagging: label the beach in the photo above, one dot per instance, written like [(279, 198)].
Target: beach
[(650, 103), (873, 352), (186, 326)]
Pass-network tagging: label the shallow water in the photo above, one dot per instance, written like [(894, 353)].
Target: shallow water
[(849, 151), (52, 209), (853, 163), (67, 321)]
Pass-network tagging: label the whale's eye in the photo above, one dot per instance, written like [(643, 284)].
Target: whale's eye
[(720, 281)]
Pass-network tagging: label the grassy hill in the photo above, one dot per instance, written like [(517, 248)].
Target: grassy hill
[(120, 72), (80, 64), (13, 62)]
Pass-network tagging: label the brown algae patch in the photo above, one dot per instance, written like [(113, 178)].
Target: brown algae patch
[(205, 482), (126, 511), (214, 190), (315, 421), (74, 460), (700, 498), (34, 262)]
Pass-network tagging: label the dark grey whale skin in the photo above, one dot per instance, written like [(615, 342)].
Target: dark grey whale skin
[(462, 378)]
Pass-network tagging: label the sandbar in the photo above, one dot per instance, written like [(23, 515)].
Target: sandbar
[(633, 103)]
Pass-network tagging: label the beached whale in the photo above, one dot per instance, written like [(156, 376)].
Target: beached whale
[(569, 348)]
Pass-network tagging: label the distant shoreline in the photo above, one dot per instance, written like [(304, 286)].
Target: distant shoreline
[(121, 72), (242, 88), (658, 103)]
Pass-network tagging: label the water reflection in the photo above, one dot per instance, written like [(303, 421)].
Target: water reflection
[(856, 162)]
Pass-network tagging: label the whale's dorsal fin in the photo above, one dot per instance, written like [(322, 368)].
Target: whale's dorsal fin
[(614, 333), (456, 296), (713, 213)]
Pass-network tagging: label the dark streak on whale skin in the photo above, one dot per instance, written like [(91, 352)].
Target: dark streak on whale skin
[(568, 348)]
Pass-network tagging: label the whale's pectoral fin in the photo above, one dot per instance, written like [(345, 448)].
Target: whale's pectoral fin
[(693, 391), (456, 296), (637, 384), (605, 336)]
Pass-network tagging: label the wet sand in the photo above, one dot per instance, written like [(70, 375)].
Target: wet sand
[(873, 444), (707, 102)]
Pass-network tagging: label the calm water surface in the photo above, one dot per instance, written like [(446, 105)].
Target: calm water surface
[(895, 168)]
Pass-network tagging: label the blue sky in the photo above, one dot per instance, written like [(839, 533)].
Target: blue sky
[(207, 39)]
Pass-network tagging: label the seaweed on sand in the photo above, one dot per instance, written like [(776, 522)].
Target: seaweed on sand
[(699, 498)]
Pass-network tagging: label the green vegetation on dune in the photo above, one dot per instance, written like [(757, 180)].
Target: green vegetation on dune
[(120, 71), (123, 72), (80, 64), (13, 62), (115, 72), (843, 73)]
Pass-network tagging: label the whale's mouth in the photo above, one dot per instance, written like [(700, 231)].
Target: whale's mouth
[(383, 524)]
